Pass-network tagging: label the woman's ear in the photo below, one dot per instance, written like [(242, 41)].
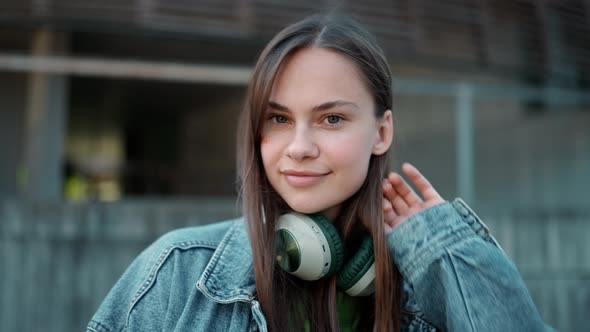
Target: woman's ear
[(384, 133)]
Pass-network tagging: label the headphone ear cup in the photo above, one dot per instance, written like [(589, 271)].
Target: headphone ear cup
[(358, 275), (334, 243), (307, 246)]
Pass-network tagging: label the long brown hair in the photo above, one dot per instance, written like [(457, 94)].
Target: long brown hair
[(287, 301)]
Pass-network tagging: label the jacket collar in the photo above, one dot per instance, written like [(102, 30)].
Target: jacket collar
[(229, 275)]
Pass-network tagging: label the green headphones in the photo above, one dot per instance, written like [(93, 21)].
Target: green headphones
[(308, 247)]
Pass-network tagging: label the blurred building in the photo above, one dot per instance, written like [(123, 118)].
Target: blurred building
[(133, 99)]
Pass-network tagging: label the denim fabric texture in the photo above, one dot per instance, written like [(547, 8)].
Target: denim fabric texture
[(456, 278)]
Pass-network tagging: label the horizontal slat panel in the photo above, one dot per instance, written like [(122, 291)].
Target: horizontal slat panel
[(503, 33)]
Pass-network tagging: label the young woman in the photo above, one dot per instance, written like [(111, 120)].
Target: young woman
[(314, 146)]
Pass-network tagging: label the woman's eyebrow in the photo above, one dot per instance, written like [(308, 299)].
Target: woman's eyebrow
[(321, 107)]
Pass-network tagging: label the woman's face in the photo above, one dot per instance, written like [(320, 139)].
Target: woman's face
[(320, 131)]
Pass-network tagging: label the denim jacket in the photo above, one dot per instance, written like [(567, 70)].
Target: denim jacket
[(456, 278)]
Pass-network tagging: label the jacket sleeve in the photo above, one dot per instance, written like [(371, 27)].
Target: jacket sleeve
[(461, 278)]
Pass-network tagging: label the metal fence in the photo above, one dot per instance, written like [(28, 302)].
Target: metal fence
[(58, 261), (552, 253)]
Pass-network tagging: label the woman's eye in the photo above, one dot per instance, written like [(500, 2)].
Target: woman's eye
[(279, 119), (333, 119)]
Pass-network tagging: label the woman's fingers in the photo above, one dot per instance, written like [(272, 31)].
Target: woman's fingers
[(400, 201), (399, 204), (388, 191), (422, 184), (388, 212), (404, 190), (397, 201)]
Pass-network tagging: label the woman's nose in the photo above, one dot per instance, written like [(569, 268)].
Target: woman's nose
[(302, 145)]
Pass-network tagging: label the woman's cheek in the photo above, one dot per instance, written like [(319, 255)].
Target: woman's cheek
[(352, 149), (269, 145)]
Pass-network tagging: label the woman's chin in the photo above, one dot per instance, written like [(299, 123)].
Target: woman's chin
[(328, 210), (305, 209)]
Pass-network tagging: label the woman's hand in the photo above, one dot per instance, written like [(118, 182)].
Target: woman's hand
[(399, 199)]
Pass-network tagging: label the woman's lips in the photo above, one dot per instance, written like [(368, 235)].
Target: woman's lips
[(303, 179)]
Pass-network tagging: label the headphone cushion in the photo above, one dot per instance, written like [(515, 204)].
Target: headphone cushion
[(358, 265), (331, 234)]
